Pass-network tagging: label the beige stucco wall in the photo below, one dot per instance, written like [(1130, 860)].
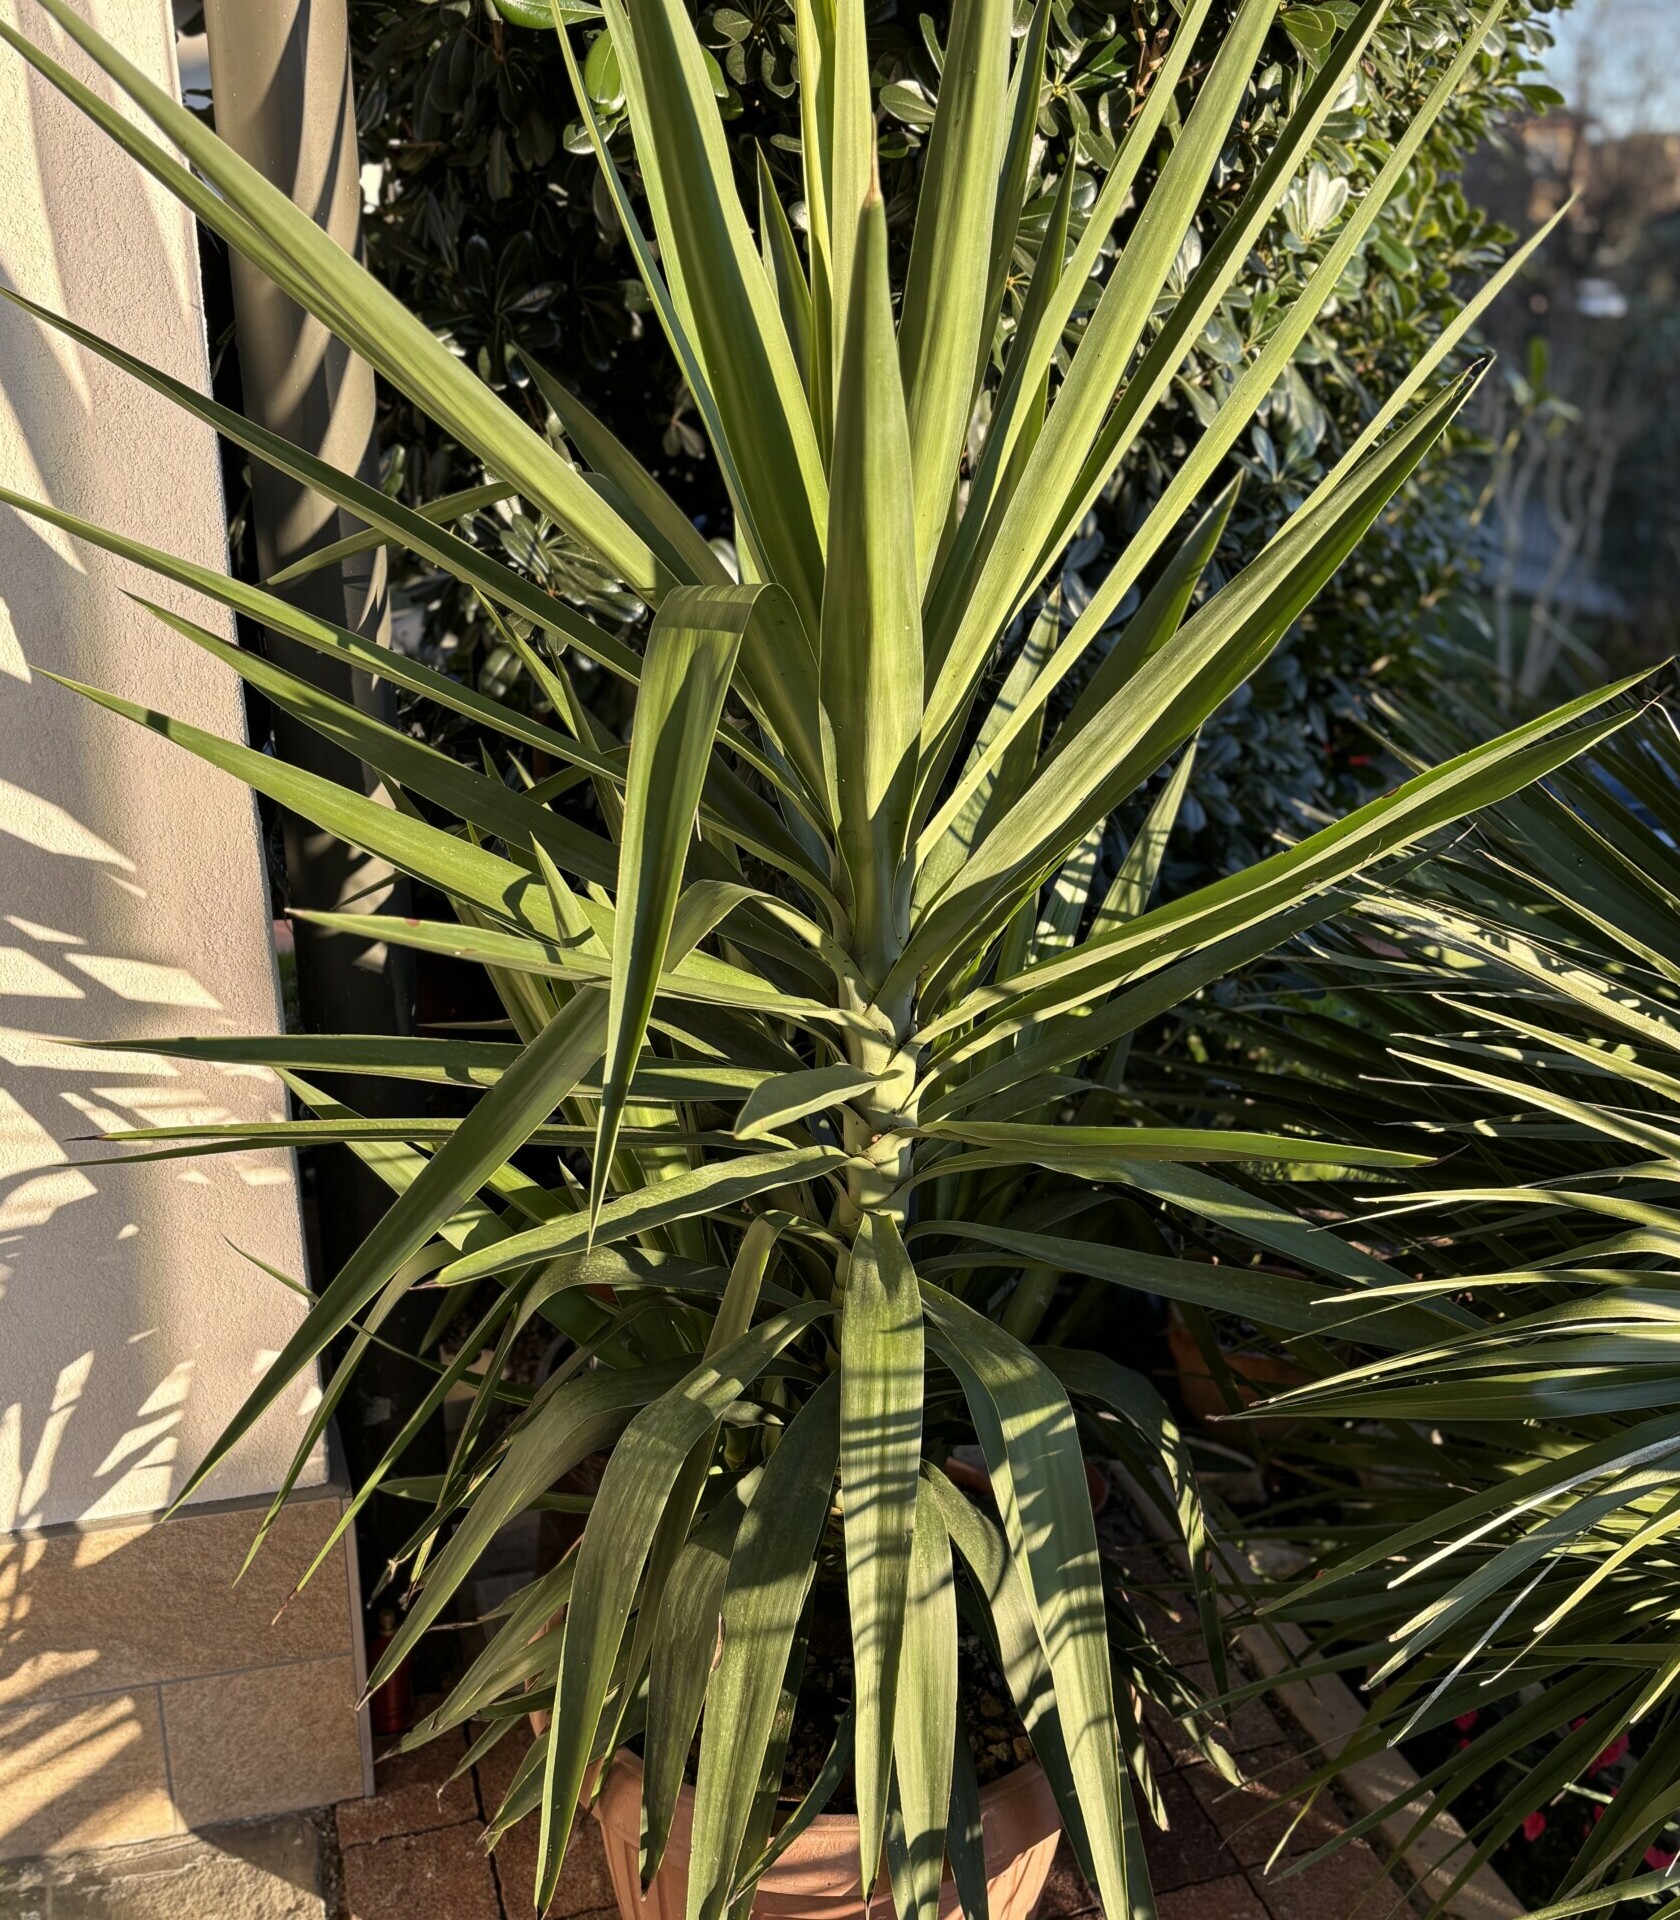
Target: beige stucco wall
[(132, 895)]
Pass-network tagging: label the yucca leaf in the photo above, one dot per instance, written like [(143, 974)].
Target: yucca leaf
[(542, 1076), (676, 330), (465, 1063), (1480, 777), (1150, 716), (737, 327), (650, 509), (776, 1103), (746, 1287), (1157, 619), (944, 322), (1031, 1443), (837, 122), (925, 1721), (1262, 373), (1098, 1380), (616, 1541), (685, 678), (1026, 92), (881, 1391), (814, 44), (965, 1838), (564, 1424), (989, 782), (1257, 380), (1031, 353), (1224, 259), (258, 219), (387, 518), (871, 651), (1268, 1299), (684, 1651), (770, 1574), (507, 1659), (703, 1190), (447, 507), (1129, 895), (787, 275), (1091, 1148), (833, 1770), (1014, 1634), (496, 810), (1159, 616), (1028, 521)]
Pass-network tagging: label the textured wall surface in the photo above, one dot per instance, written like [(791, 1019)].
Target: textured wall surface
[(132, 898)]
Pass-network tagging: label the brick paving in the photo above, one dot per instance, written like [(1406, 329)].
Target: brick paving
[(414, 1850)]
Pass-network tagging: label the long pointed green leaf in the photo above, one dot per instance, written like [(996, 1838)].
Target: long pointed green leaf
[(925, 1722), (871, 652), (662, 523), (1478, 778), (1168, 698), (259, 219), (452, 865), (683, 1655), (545, 1072), (737, 326), (770, 1574), (881, 1389), (943, 318), (1027, 521), (616, 1541), (685, 678), (1031, 1443), (703, 1190)]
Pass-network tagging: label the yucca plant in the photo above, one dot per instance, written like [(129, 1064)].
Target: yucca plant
[(1505, 1567), (814, 1085)]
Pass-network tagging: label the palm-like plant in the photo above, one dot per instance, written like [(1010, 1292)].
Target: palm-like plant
[(1508, 1560), (799, 972)]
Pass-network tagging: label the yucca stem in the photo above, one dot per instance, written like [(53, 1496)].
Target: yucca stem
[(875, 1182)]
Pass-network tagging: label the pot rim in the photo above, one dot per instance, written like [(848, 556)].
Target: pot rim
[(627, 1762)]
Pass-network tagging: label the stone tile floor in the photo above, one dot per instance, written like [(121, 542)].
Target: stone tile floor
[(412, 1852)]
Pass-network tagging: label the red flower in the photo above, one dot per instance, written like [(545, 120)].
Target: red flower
[(1611, 1754), (1466, 1721), (1534, 1826), (1659, 1861)]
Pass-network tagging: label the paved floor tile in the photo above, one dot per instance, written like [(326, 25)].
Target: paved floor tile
[(1190, 1851), (440, 1875), (412, 1793), (1253, 1819), (1349, 1885), (1231, 1898)]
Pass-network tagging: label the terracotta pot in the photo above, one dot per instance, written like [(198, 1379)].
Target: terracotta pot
[(1257, 1376), (817, 1878)]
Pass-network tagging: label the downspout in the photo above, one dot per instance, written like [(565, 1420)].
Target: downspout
[(282, 98)]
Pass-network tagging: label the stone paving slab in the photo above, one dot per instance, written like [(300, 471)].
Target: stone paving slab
[(276, 1869)]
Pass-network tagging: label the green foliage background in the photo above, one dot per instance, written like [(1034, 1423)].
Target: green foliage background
[(490, 224)]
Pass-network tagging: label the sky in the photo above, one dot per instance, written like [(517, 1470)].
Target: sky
[(1624, 57)]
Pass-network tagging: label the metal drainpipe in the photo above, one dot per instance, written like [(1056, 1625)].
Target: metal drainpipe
[(282, 98)]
